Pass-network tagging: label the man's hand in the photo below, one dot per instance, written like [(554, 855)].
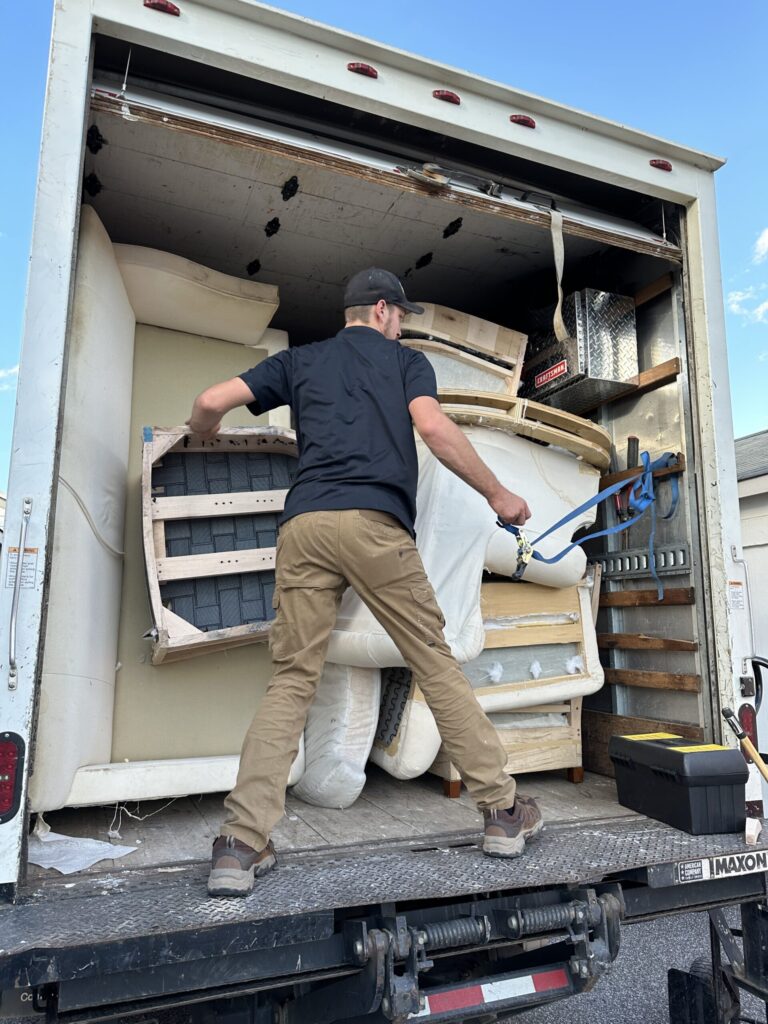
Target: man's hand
[(213, 404), (510, 507), (201, 430)]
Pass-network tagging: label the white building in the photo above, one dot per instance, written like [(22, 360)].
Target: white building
[(2, 517), (752, 472)]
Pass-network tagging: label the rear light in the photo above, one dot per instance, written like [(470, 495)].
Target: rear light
[(362, 69), (447, 96), (748, 722), (163, 5), (523, 119), (662, 165), (11, 769)]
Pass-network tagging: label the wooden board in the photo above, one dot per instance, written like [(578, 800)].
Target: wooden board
[(470, 332), (651, 291), (500, 600), (647, 598), (540, 749), (203, 506), (593, 454), (218, 563), (531, 634), (627, 474), (653, 680), (598, 727), (643, 642), (524, 408), (648, 380)]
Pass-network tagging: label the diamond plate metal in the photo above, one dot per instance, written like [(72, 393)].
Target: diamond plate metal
[(124, 907), (600, 353)]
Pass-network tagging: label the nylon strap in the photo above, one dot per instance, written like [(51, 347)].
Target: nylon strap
[(641, 498), (558, 246)]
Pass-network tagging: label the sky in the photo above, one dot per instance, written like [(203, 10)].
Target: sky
[(693, 71)]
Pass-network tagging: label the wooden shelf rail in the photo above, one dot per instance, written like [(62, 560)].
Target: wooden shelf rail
[(653, 680), (648, 380), (643, 642), (627, 474), (647, 598)]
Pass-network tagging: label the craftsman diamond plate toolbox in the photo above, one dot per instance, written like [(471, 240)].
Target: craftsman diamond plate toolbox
[(696, 787), (596, 360)]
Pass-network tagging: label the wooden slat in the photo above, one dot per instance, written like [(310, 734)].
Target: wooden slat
[(643, 642), (627, 474), (591, 453), (500, 600), (219, 563), (648, 380), (158, 535), (653, 680), (530, 636), (598, 727), (657, 287), (197, 506), (534, 411), (647, 598)]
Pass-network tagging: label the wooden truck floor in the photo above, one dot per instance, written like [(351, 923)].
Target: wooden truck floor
[(183, 830)]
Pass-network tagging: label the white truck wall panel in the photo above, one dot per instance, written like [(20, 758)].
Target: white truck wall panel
[(97, 638), (77, 689)]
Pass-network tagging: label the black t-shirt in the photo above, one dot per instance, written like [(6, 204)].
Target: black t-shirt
[(349, 397)]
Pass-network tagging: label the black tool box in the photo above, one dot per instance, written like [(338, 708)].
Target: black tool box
[(696, 787)]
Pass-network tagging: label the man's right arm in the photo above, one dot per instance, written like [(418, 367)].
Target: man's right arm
[(448, 443), (215, 402)]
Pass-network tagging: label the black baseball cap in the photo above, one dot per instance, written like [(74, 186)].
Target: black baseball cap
[(366, 287)]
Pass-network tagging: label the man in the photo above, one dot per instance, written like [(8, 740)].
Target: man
[(348, 521)]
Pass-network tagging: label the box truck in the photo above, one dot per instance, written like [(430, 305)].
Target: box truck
[(271, 150)]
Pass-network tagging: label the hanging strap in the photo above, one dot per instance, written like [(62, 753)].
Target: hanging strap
[(558, 246), (641, 498)]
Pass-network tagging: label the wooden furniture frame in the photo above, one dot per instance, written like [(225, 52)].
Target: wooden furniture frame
[(534, 749), (173, 638)]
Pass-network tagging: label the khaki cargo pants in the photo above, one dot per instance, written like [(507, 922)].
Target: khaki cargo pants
[(320, 554)]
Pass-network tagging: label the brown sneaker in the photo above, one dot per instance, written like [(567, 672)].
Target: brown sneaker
[(506, 832), (234, 865)]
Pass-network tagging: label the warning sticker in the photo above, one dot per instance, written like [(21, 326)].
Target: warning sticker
[(555, 371), (736, 595), (726, 866), (28, 567)]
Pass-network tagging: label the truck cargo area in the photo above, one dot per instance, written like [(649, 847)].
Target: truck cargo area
[(253, 193), (201, 148)]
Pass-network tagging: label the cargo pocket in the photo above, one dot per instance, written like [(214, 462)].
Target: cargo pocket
[(280, 633), (429, 617)]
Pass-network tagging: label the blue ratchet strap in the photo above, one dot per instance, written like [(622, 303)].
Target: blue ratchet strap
[(641, 498)]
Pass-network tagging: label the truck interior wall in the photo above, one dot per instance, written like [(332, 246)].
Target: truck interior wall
[(201, 706), (658, 419)]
